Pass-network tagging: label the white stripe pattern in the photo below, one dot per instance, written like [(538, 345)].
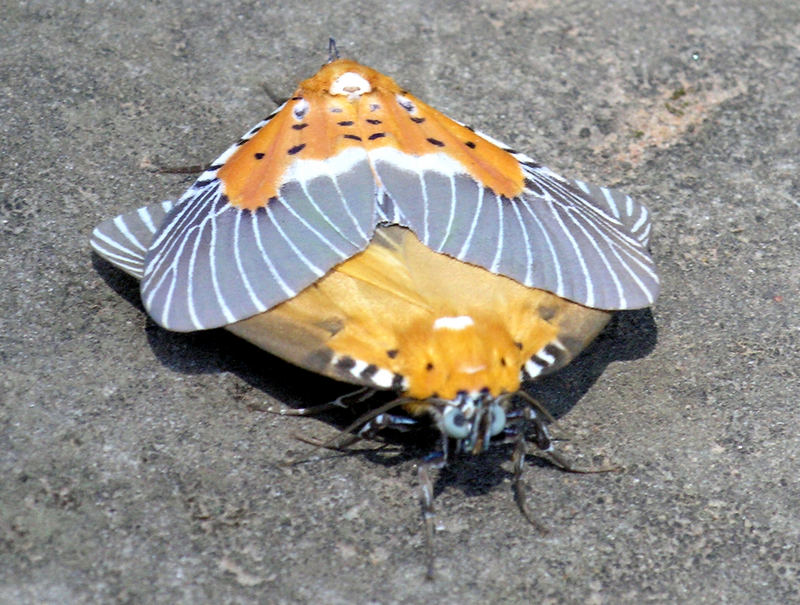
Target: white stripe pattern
[(205, 266), (123, 240)]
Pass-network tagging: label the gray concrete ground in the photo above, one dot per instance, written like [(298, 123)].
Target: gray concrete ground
[(135, 465)]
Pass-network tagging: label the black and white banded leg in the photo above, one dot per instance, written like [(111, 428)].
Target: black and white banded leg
[(434, 461), (386, 421)]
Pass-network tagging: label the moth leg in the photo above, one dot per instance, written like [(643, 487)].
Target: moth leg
[(385, 421), (544, 442), (368, 431), (435, 460), (518, 462), (342, 401), (534, 405), (528, 416)]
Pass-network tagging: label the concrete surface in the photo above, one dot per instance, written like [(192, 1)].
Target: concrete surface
[(135, 466)]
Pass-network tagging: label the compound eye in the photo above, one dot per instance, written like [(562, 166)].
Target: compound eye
[(455, 423), (498, 419)]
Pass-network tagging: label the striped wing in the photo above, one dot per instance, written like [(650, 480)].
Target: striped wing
[(304, 190), (212, 263), (634, 216), (582, 242), (123, 241)]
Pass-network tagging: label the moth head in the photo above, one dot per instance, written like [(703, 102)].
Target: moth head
[(471, 419), (347, 78)]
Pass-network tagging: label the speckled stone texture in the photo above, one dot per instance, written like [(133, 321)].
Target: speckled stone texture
[(136, 466)]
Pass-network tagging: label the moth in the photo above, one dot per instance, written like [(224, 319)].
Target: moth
[(361, 234)]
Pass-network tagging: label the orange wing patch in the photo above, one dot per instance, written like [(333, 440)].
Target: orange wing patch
[(418, 129), (323, 119)]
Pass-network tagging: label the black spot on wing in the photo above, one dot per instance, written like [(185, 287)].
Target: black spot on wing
[(405, 104), (212, 263), (368, 372), (345, 363)]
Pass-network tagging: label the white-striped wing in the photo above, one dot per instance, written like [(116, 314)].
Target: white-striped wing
[(582, 242), (211, 264), (123, 241), (205, 263)]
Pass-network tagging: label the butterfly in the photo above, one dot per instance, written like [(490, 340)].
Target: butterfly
[(361, 234)]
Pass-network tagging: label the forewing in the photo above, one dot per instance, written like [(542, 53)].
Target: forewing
[(622, 206), (263, 222), (583, 243), (123, 241)]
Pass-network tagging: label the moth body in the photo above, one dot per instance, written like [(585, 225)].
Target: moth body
[(361, 234)]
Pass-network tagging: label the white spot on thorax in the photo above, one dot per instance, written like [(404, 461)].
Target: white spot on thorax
[(350, 84), (453, 323)]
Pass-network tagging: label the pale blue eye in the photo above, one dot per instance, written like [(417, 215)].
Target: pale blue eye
[(455, 423), (498, 416)]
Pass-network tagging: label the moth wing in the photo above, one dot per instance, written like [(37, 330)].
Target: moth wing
[(633, 215), (299, 330), (562, 236), (535, 318), (213, 262), (123, 240), (344, 325)]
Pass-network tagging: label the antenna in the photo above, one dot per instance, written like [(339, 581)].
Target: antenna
[(333, 52)]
